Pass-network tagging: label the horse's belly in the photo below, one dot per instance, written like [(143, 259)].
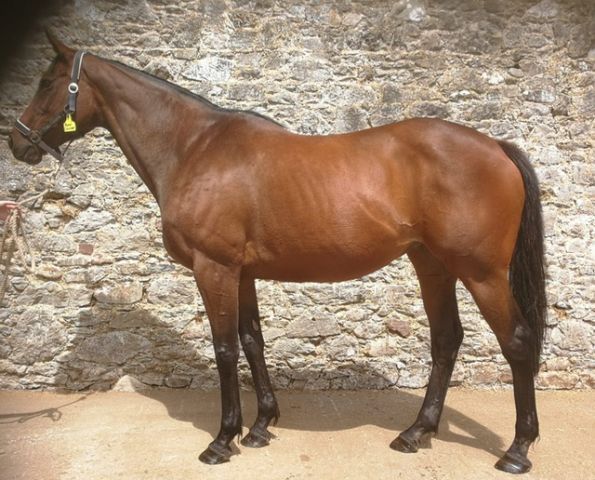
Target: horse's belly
[(318, 270), (329, 263)]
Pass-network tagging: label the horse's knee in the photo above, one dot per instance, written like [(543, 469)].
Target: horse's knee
[(250, 342), (226, 354)]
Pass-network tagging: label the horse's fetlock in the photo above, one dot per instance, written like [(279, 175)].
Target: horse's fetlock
[(527, 429), (232, 426), (268, 407)]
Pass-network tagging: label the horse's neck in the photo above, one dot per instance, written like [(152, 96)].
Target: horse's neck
[(143, 115)]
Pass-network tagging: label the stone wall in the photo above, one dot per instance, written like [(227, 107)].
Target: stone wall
[(108, 302)]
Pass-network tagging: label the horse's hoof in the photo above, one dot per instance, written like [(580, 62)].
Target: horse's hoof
[(511, 463), (215, 455), (253, 440), (402, 445)]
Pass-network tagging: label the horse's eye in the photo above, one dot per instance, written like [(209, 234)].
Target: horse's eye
[(45, 83)]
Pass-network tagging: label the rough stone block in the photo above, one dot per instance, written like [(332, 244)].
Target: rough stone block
[(120, 294), (306, 328), (112, 347)]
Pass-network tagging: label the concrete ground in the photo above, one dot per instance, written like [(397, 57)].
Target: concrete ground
[(321, 435)]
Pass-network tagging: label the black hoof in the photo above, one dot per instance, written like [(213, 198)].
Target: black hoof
[(402, 445), (512, 463), (255, 440), (215, 455)]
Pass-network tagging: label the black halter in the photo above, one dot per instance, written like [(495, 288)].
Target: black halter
[(36, 136)]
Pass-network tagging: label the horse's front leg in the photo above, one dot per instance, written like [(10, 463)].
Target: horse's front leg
[(219, 286), (253, 345)]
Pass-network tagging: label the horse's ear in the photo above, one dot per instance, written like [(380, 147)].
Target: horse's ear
[(59, 47)]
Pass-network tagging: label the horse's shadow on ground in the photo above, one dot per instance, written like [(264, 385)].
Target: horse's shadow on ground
[(335, 410), (317, 411)]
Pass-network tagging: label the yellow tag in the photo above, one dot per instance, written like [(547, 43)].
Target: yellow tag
[(69, 125)]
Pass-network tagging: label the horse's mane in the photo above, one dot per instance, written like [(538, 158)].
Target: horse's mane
[(186, 92)]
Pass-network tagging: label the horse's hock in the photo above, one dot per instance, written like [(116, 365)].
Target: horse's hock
[(106, 301)]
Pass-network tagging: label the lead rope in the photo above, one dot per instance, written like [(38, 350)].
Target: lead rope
[(14, 238)]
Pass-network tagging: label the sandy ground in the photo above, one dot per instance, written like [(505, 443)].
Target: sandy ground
[(321, 435)]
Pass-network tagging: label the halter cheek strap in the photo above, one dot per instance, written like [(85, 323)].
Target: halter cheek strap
[(36, 136), (75, 75)]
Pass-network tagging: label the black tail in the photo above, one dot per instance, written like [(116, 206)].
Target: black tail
[(527, 272)]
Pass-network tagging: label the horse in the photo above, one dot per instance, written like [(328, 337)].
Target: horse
[(243, 198)]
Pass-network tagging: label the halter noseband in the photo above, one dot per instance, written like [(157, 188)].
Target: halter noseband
[(36, 136)]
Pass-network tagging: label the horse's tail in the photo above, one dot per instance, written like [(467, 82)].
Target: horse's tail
[(527, 272)]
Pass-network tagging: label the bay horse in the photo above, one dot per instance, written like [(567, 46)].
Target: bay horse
[(242, 198)]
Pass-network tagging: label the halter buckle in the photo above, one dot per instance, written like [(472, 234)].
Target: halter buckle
[(34, 137), (73, 87)]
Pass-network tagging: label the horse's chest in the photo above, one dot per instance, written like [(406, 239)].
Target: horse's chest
[(187, 232)]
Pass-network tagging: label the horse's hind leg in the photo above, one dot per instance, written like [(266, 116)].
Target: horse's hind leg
[(496, 303), (438, 293), (253, 345)]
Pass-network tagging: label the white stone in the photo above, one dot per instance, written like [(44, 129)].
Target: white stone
[(212, 69), (128, 383)]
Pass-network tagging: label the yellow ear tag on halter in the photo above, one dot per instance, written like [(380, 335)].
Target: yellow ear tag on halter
[(69, 124)]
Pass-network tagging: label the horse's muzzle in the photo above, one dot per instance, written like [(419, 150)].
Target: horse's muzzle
[(24, 150)]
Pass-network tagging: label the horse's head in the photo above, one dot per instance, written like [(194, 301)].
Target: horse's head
[(64, 96)]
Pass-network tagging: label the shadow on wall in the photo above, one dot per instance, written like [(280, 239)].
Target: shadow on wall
[(111, 344), (94, 347)]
